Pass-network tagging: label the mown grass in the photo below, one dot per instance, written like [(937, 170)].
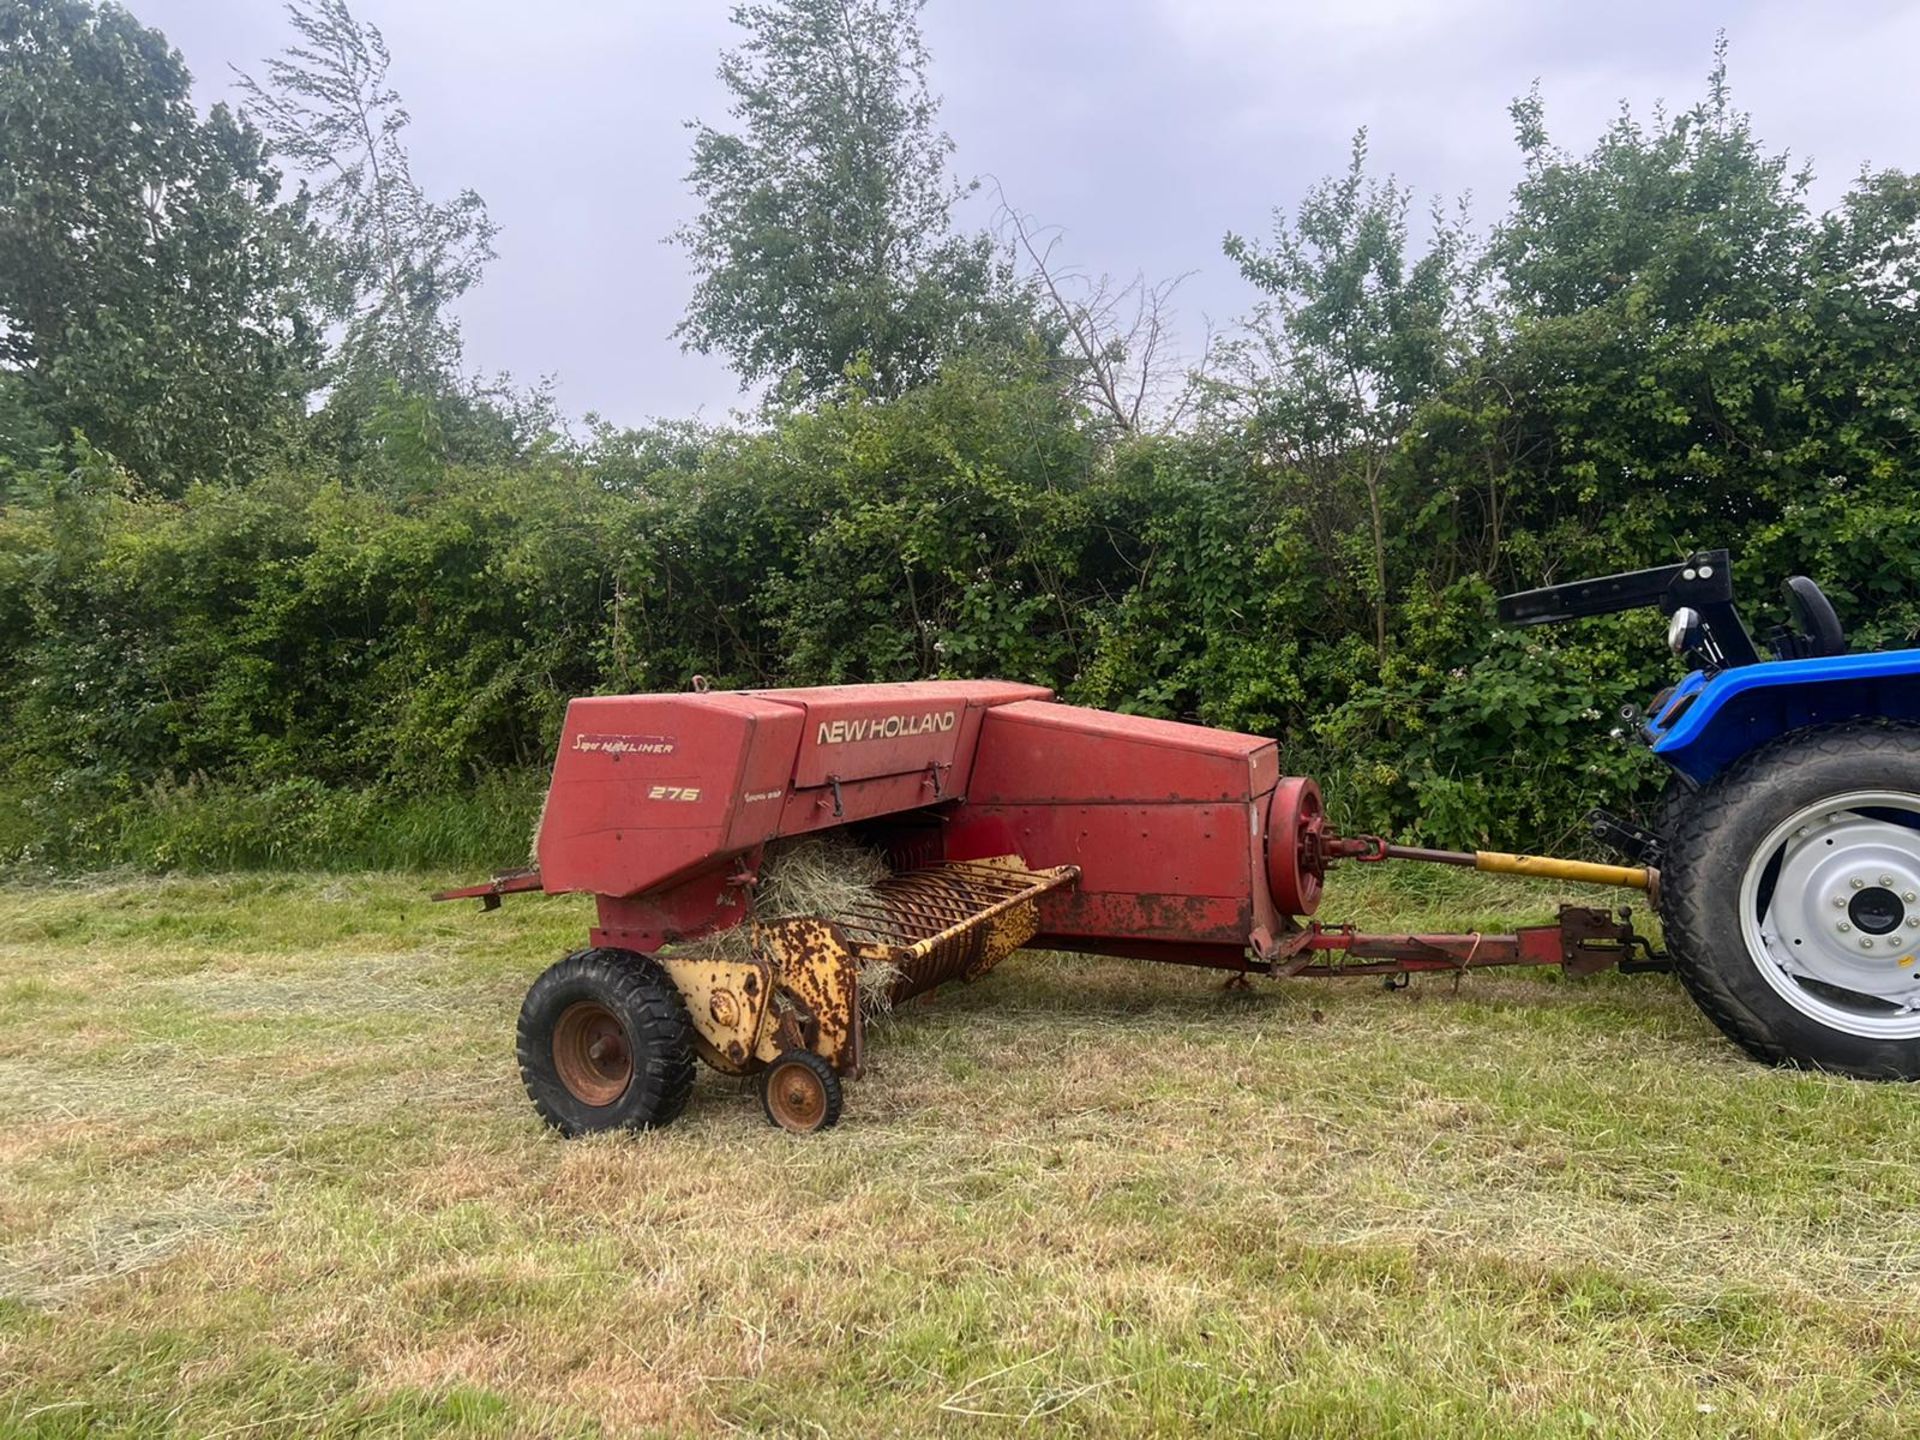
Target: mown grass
[(267, 1171)]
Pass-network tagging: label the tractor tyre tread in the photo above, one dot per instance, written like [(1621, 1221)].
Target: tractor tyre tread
[(1702, 936), (660, 1031)]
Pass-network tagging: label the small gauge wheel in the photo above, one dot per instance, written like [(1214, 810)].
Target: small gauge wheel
[(801, 1093)]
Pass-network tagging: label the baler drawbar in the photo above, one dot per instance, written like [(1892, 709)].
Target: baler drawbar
[(1007, 820)]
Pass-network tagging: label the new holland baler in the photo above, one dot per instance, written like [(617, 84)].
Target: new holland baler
[(1789, 842), (1007, 818)]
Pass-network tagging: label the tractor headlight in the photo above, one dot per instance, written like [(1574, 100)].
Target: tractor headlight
[(1683, 631)]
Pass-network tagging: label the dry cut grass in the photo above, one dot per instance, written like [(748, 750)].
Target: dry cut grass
[(266, 1171)]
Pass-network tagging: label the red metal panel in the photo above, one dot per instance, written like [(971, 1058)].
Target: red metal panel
[(1035, 750), (1146, 915), (706, 900), (1167, 871), (860, 732), (1168, 847), (809, 810), (1165, 821), (647, 787), (765, 778)]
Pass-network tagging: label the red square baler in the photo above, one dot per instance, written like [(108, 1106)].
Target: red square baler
[(1007, 819)]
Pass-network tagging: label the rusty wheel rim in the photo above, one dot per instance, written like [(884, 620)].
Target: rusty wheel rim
[(591, 1053), (797, 1097)]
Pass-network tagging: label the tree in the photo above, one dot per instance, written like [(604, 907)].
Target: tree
[(1692, 356), (1351, 337), (1116, 338), (152, 290), (824, 238), (401, 259)]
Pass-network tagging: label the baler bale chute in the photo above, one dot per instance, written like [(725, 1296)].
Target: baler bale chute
[(1007, 819)]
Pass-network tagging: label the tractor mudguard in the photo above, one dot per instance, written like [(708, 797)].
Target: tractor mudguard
[(1709, 722)]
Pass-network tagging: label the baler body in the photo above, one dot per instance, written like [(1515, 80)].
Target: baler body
[(661, 806), (1006, 819)]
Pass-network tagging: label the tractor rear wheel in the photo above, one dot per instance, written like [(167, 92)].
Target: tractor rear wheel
[(1791, 900), (605, 1043), (1670, 810)]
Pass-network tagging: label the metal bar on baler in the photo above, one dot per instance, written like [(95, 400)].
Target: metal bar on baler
[(1584, 940), (951, 921), (1046, 880)]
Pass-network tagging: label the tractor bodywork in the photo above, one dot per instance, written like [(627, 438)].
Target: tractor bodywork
[(1711, 720), (1788, 839)]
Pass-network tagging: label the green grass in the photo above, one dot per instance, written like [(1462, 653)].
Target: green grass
[(58, 827), (267, 1171)]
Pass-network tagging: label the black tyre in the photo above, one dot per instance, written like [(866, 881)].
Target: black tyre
[(800, 1093), (1669, 812), (605, 1044), (1791, 900)]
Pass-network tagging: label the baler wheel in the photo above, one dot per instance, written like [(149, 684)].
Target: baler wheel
[(605, 1043), (801, 1093), (590, 1053)]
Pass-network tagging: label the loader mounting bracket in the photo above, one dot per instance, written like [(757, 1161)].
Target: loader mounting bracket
[(1637, 843)]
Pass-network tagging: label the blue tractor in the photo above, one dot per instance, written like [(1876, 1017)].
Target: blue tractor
[(1788, 841)]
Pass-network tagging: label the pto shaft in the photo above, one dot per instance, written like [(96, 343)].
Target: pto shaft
[(1540, 867)]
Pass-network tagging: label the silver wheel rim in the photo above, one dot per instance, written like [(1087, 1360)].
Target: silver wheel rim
[(1830, 912)]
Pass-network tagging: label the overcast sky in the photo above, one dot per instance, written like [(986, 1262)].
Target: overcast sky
[(1145, 128)]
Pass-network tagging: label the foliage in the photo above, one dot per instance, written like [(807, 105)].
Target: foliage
[(152, 283), (1350, 336), (1660, 347), (824, 240), (397, 260)]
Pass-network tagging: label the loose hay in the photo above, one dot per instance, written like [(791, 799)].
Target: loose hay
[(822, 875), (877, 979)]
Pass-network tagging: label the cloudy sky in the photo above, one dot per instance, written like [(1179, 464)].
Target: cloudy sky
[(1146, 129)]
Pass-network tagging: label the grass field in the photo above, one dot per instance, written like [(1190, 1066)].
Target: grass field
[(266, 1170)]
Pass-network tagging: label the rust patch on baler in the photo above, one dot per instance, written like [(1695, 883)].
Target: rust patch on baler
[(952, 921), (727, 1003), (817, 991), (920, 930)]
